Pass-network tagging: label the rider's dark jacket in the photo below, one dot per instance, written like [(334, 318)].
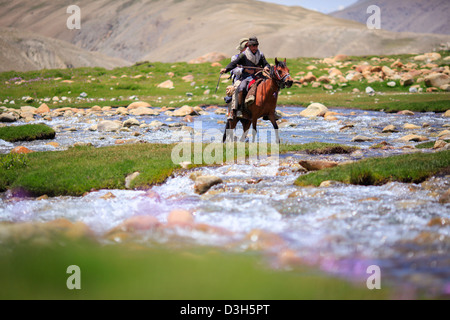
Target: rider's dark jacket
[(244, 61)]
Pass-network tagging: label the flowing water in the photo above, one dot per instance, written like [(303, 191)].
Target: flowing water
[(342, 229)]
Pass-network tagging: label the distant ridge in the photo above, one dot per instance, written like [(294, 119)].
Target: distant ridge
[(431, 16), (183, 30)]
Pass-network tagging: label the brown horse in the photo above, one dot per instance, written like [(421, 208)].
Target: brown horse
[(265, 102)]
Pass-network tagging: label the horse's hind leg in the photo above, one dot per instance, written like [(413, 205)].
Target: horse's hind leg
[(227, 126)]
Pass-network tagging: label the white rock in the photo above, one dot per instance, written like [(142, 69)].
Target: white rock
[(130, 178), (391, 84), (370, 90)]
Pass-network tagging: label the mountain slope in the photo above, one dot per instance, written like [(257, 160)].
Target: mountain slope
[(25, 51), (181, 30), (431, 16)]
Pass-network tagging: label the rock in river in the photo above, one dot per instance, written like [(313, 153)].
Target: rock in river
[(204, 183), (314, 110), (312, 165)]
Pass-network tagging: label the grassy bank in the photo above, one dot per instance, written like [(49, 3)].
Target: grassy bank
[(120, 86), (81, 169), (29, 271), (415, 168), (27, 132)]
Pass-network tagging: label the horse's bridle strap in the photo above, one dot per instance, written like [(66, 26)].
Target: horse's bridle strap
[(280, 81)]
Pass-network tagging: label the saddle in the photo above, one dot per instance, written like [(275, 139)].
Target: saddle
[(252, 86)]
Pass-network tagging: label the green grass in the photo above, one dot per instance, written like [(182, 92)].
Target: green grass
[(428, 145), (317, 148), (121, 83), (413, 168), (81, 169), (28, 132), (30, 271), (388, 102)]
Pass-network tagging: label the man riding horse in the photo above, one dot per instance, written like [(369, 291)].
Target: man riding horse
[(252, 58), (235, 75)]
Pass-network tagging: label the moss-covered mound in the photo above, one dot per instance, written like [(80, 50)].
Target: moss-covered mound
[(28, 132)]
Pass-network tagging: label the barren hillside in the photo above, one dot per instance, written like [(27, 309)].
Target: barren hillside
[(431, 16), (181, 30), (25, 51)]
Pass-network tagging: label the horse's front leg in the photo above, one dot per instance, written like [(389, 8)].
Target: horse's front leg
[(275, 127), (254, 130), (228, 135), (245, 127)]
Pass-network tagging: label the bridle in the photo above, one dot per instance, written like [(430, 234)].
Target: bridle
[(275, 75)]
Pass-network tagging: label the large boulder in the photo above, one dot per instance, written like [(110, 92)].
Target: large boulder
[(389, 128), (413, 137), (309, 78), (388, 72), (168, 84), (314, 110), (138, 104), (406, 80), (122, 111), (184, 111), (437, 79), (43, 108), (21, 149), (430, 56), (28, 109), (143, 111), (109, 125), (131, 122), (8, 117), (333, 72)]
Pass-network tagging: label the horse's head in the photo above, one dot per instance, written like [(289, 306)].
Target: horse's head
[(280, 73)]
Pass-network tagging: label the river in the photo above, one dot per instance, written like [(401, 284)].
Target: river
[(341, 229)]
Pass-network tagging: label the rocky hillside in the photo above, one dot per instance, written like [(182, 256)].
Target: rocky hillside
[(25, 51), (431, 16), (181, 30)]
